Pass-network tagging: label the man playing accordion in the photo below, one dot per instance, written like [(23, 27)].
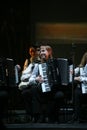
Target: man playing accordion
[(53, 97)]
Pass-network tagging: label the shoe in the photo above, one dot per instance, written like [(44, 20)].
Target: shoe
[(33, 120), (46, 120), (74, 119), (28, 119), (40, 119)]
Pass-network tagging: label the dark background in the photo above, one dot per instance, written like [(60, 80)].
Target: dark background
[(17, 25)]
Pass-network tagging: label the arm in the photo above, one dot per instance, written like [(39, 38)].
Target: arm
[(76, 70), (27, 72), (25, 64), (35, 78), (83, 76), (32, 80)]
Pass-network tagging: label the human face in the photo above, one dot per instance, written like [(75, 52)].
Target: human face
[(44, 53), (32, 52), (38, 51)]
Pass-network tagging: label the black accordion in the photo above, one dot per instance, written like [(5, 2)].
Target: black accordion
[(65, 65), (55, 72), (50, 73)]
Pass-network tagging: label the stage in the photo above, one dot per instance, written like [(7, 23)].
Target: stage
[(17, 119), (65, 126)]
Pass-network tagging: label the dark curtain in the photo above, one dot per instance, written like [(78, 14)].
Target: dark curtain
[(15, 28)]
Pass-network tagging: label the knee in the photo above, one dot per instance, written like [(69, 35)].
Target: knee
[(59, 95)]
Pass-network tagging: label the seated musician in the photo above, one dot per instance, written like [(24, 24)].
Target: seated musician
[(24, 86), (33, 53), (51, 96), (28, 66), (29, 59), (80, 78)]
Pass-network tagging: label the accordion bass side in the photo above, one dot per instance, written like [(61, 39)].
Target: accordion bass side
[(65, 66)]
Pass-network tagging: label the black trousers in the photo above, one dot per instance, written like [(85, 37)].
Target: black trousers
[(77, 101), (27, 100), (39, 103)]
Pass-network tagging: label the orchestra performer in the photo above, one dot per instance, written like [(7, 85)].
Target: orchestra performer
[(29, 59), (80, 79), (52, 98), (24, 86)]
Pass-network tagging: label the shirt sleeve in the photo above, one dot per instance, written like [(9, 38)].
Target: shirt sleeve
[(32, 80), (76, 70), (27, 72), (83, 78)]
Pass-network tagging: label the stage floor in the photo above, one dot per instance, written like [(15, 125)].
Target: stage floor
[(61, 126), (17, 119)]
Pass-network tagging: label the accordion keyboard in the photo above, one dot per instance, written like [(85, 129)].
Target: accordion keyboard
[(43, 72)]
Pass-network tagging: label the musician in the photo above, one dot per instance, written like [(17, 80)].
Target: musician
[(24, 86), (80, 78), (33, 52), (40, 98), (29, 65)]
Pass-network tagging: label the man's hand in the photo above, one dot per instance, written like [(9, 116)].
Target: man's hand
[(77, 78), (39, 79)]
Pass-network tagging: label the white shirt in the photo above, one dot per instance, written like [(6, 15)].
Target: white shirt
[(83, 77), (27, 72), (34, 75)]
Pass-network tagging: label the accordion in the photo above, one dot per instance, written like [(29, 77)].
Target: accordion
[(65, 65), (50, 73), (55, 72)]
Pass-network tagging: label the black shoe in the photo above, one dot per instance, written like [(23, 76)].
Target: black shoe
[(74, 119), (40, 119), (28, 118), (33, 120), (46, 120)]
